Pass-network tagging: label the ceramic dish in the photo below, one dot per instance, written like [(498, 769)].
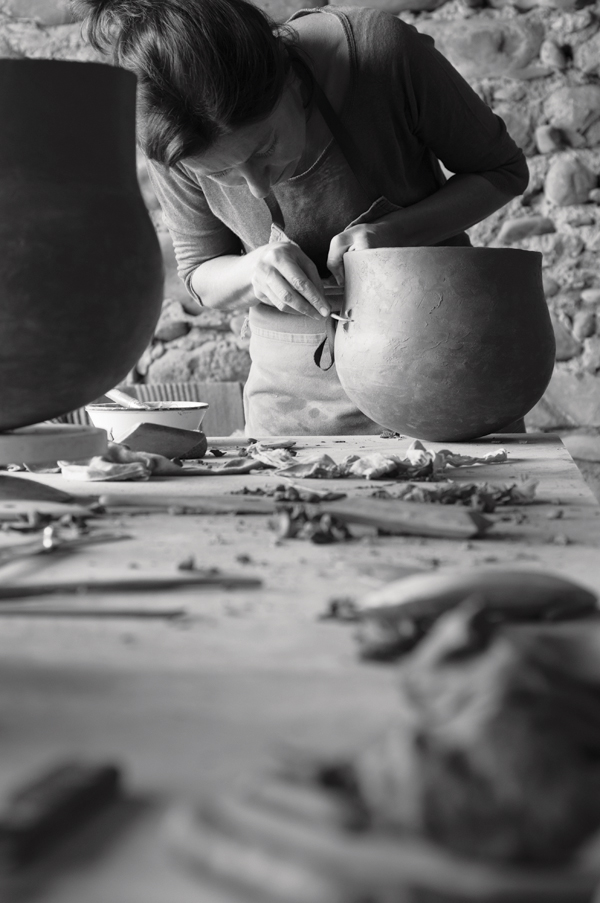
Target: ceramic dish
[(118, 421)]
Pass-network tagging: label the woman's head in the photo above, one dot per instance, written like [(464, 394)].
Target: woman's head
[(204, 67), (260, 154)]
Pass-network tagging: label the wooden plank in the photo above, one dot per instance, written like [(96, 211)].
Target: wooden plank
[(191, 707)]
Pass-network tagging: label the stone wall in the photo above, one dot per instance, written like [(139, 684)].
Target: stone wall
[(537, 64)]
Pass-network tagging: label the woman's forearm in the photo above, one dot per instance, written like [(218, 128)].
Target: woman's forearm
[(225, 283), (463, 201), (278, 274)]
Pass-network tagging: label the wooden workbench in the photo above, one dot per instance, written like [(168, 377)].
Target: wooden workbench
[(190, 706)]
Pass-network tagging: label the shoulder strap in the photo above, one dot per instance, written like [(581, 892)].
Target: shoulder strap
[(361, 171), (275, 211)]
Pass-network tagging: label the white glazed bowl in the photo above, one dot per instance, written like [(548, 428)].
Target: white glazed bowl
[(118, 421)]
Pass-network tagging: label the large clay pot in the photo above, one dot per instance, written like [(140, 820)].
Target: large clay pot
[(445, 343), (80, 264)]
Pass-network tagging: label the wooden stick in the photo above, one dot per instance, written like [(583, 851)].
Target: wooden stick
[(415, 518), (191, 504), (138, 584), (40, 611)]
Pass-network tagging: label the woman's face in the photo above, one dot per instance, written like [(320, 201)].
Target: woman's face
[(261, 154)]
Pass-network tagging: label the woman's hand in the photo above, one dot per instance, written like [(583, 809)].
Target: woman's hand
[(356, 238), (461, 202), (285, 278)]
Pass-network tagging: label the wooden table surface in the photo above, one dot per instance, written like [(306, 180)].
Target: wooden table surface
[(191, 706)]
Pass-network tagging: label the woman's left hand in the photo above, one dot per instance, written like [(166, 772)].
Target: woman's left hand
[(356, 238), (464, 200)]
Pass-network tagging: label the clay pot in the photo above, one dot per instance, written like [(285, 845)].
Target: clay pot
[(445, 343), (80, 264)]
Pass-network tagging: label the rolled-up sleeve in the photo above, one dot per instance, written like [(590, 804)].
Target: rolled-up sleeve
[(197, 234), (452, 120)]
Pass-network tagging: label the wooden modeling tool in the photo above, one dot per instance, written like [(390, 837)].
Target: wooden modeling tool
[(410, 517)]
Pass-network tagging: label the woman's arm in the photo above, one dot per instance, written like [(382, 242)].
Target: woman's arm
[(210, 262), (464, 200), (224, 282), (455, 126), (279, 274)]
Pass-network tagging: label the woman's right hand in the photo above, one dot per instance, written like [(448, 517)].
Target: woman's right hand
[(285, 278)]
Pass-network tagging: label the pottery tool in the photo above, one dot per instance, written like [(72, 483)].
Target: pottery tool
[(17, 510), (341, 318), (208, 504), (50, 540), (127, 401), (129, 585), (25, 610), (243, 442)]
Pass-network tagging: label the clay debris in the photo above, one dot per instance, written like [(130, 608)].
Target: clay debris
[(495, 753), (418, 463), (480, 496)]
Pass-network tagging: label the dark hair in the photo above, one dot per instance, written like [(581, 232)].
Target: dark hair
[(204, 67)]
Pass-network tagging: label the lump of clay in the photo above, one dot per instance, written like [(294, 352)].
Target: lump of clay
[(497, 755)]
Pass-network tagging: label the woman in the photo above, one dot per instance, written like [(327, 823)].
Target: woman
[(274, 150)]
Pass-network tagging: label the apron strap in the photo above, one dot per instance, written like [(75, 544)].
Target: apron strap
[(275, 211), (361, 171), (355, 160)]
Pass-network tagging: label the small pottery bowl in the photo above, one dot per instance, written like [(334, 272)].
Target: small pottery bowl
[(119, 421)]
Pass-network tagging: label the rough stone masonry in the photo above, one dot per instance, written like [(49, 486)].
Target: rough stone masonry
[(537, 64)]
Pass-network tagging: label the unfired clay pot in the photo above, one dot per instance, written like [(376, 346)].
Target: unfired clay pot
[(445, 343), (80, 264)]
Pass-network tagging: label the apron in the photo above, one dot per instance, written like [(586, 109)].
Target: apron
[(287, 391)]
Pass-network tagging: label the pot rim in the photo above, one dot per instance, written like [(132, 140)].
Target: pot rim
[(441, 249)]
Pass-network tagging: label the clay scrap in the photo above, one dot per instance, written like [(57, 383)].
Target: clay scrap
[(417, 463), (395, 617), (331, 521), (121, 463), (480, 496), (496, 755)]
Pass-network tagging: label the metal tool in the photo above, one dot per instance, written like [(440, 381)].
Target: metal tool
[(341, 319), (50, 540), (104, 614), (125, 400)]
